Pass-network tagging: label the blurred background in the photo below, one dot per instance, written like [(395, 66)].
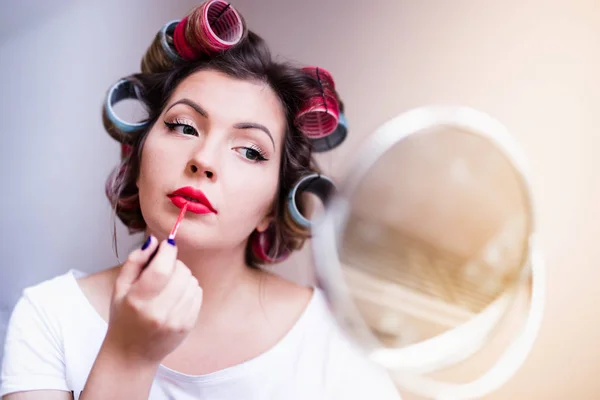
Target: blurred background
[(534, 65)]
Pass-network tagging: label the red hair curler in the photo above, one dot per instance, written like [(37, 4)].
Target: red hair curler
[(213, 27), (262, 242), (320, 115), (332, 140), (320, 74), (126, 150), (181, 45)]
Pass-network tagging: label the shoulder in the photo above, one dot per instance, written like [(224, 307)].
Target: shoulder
[(57, 299), (98, 287), (283, 300), (45, 304), (52, 292)]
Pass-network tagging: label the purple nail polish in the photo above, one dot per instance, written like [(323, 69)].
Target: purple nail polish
[(147, 243), (171, 241)]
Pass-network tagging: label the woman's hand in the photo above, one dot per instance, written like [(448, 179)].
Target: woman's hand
[(154, 308)]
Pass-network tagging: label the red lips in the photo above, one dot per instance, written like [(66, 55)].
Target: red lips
[(194, 198)]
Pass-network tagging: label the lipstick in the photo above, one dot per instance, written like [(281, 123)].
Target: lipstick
[(171, 238), (176, 226)]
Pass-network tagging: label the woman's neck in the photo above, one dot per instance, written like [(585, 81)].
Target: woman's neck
[(222, 274)]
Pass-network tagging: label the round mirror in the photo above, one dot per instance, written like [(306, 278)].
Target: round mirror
[(424, 249)]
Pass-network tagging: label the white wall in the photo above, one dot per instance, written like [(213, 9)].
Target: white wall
[(57, 59)]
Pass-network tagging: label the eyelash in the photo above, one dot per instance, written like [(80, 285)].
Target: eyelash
[(261, 156), (180, 123), (172, 126)]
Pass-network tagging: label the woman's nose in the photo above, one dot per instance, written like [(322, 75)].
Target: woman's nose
[(204, 160), (195, 168)]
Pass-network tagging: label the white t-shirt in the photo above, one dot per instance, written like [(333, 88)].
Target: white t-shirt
[(54, 336)]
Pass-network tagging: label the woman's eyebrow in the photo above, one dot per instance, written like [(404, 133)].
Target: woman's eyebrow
[(193, 105), (253, 125)]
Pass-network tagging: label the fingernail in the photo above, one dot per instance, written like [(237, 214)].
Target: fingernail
[(147, 243), (171, 241)]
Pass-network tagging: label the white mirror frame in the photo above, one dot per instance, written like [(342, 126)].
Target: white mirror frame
[(408, 364)]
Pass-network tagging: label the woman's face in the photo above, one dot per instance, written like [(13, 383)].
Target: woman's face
[(220, 136)]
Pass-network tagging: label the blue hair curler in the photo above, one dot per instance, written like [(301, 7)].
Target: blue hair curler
[(123, 89), (166, 40), (317, 184)]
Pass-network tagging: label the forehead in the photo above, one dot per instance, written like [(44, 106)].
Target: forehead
[(230, 100)]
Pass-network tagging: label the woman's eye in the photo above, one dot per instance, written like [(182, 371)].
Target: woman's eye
[(182, 128), (251, 154)]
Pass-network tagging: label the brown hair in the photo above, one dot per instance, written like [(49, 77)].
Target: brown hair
[(248, 60)]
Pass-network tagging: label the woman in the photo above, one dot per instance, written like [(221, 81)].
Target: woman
[(195, 318)]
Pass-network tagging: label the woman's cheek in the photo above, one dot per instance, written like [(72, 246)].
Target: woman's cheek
[(253, 194)]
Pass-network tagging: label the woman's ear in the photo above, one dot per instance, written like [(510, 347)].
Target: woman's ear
[(264, 224), (268, 219)]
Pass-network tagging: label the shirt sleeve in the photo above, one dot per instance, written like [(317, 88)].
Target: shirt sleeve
[(33, 356)]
